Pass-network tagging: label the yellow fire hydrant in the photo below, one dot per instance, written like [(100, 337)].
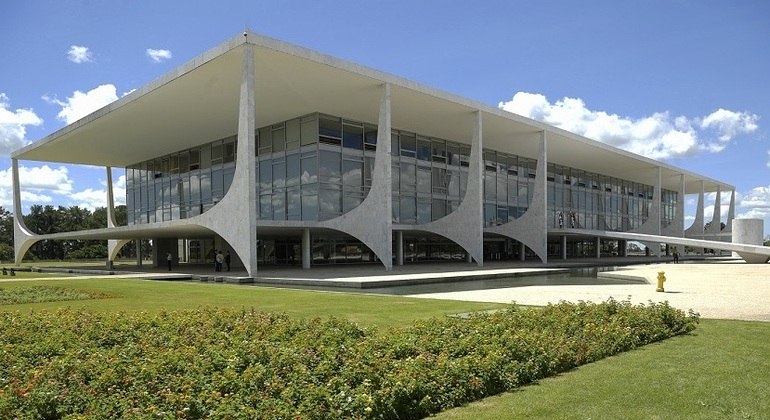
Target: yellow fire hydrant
[(661, 280)]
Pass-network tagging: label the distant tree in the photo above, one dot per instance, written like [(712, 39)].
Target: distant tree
[(6, 252), (6, 227)]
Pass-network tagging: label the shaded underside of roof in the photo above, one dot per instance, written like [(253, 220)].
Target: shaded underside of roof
[(199, 102)]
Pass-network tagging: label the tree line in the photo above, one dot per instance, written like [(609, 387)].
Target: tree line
[(49, 219)]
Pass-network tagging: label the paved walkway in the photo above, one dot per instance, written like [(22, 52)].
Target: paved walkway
[(724, 290)]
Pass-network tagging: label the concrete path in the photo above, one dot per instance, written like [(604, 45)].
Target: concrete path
[(725, 290)]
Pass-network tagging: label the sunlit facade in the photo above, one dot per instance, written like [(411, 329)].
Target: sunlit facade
[(289, 157)]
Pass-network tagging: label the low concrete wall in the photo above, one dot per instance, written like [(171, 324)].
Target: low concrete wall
[(749, 231)]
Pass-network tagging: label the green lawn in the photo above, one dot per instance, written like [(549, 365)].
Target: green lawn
[(722, 370), (134, 295)]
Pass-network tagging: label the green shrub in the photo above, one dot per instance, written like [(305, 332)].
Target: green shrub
[(34, 294), (219, 363)]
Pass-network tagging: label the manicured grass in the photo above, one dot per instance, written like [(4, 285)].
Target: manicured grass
[(720, 371), (153, 296)]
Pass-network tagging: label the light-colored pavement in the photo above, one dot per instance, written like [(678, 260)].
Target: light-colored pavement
[(725, 290)]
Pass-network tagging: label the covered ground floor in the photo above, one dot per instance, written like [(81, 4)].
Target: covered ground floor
[(309, 248)]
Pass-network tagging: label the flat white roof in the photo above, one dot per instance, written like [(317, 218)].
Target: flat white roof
[(198, 102)]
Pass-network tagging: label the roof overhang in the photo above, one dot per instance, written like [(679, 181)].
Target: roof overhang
[(199, 102)]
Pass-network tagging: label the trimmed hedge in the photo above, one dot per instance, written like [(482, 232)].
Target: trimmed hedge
[(36, 294), (220, 363)]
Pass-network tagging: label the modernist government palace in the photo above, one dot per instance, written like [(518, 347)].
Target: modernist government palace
[(283, 155)]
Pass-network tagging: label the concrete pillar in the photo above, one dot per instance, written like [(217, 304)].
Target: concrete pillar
[(730, 214), (139, 253), (160, 247), (399, 248), (564, 247), (306, 248), (715, 228), (522, 251), (598, 247)]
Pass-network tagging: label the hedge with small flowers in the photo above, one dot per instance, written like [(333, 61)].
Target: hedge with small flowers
[(222, 363)]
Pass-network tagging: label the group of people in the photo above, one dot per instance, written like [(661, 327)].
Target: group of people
[(220, 259)]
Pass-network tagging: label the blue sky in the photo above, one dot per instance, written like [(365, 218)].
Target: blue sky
[(682, 81)]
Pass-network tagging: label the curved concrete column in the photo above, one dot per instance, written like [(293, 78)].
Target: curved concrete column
[(371, 222), (730, 214), (715, 227), (23, 238), (234, 218), (464, 226), (531, 229), (113, 245), (749, 231), (696, 229)]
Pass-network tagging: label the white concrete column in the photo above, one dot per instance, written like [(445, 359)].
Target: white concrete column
[(139, 253), (399, 248), (730, 214), (113, 245), (715, 228), (23, 238), (564, 247), (371, 222), (598, 247), (696, 229), (234, 218), (306, 248), (522, 251)]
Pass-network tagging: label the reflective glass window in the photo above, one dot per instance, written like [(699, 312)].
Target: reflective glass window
[(408, 210), (408, 144), (309, 170), (329, 168), (292, 169), (265, 175), (353, 136), (424, 211), (423, 179), (309, 130), (352, 175)]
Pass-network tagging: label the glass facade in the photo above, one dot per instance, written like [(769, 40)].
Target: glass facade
[(317, 167), (180, 185)]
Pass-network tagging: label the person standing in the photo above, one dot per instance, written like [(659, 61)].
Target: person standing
[(168, 260), (219, 260)]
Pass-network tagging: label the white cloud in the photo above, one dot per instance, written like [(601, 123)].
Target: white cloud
[(46, 185), (658, 136), (81, 104), (158, 55), (89, 198), (79, 54), (38, 184), (13, 125)]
